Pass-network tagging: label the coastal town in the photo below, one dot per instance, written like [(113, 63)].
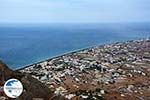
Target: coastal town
[(118, 71)]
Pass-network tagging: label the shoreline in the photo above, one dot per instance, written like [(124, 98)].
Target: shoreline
[(105, 71), (78, 50)]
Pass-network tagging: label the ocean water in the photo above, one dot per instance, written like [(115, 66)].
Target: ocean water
[(23, 44)]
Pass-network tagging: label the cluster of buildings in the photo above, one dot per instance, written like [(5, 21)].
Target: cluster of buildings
[(94, 73)]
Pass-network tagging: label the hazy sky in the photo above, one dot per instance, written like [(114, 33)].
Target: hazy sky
[(50, 11)]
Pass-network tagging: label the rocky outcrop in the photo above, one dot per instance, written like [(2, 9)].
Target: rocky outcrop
[(5, 73), (32, 87)]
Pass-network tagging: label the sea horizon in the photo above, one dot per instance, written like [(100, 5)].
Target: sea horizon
[(23, 45)]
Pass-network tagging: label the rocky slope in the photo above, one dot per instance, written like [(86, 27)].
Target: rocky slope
[(32, 87)]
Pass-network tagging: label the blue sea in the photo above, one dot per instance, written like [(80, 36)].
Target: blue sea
[(23, 44)]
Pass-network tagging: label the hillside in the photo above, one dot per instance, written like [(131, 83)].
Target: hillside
[(32, 87)]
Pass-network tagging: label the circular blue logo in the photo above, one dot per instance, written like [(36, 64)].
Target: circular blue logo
[(13, 88)]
